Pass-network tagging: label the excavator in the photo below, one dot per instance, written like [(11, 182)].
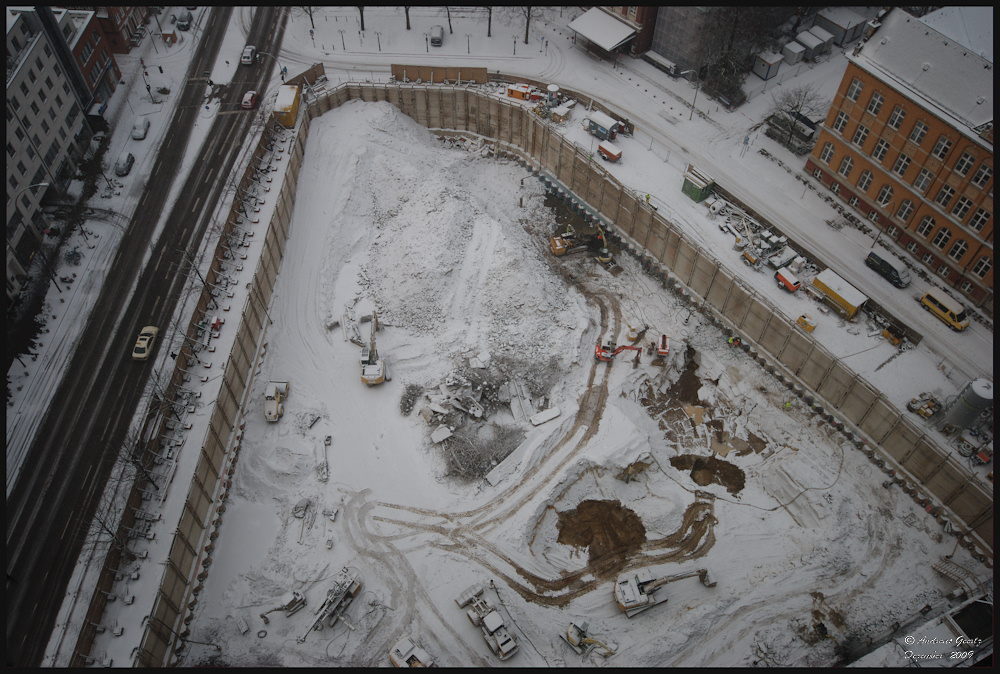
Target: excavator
[(373, 368), (566, 243), (636, 592), (608, 350), (578, 639)]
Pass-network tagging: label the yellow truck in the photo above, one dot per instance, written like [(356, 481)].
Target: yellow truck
[(286, 106), (838, 293)]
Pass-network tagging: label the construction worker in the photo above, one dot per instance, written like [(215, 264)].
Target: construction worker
[(788, 405), (647, 198)]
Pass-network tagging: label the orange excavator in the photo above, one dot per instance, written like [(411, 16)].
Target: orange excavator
[(608, 351)]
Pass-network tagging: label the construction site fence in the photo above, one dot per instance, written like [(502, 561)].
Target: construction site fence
[(932, 473)]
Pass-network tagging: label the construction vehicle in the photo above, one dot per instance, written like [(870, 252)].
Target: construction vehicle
[(373, 368), (487, 618), (637, 591), (568, 243), (925, 405), (346, 585), (290, 603), (838, 293), (577, 638), (408, 653), (608, 350), (274, 394)]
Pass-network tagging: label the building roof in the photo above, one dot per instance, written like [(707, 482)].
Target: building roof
[(602, 29), (842, 17), (933, 70), (971, 27)]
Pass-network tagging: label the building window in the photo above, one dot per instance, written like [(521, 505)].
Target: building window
[(45, 126), (962, 207), (19, 133), (902, 163), (827, 154), (966, 287), (905, 210), (21, 167), (918, 133), (34, 108), (873, 216), (42, 95), (964, 163), (944, 195), (59, 102), (875, 104), (860, 136), (941, 148), (30, 150), (48, 84), (865, 181), (10, 150), (942, 238), (25, 122), (944, 271), (982, 176), (854, 91), (982, 267), (838, 124), (818, 174), (979, 218), (31, 76), (884, 195), (12, 181), (854, 201), (24, 89), (845, 166), (878, 154), (48, 52), (893, 231), (52, 114), (923, 180), (88, 51), (925, 227), (896, 118), (927, 259), (62, 134), (958, 250), (913, 247), (835, 188)]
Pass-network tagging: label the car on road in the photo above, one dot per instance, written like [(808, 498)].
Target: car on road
[(249, 100), (144, 345), (124, 164), (140, 128), (249, 55)]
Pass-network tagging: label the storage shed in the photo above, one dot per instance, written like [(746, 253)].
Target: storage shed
[(824, 37), (793, 53), (697, 184), (845, 25), (766, 65), (811, 43)]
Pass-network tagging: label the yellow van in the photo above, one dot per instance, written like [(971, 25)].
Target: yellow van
[(945, 308)]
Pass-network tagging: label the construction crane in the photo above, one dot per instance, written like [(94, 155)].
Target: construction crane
[(346, 586), (373, 368), (577, 638), (636, 592)]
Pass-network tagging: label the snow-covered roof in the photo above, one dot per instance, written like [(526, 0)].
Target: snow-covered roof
[(602, 29), (794, 47), (602, 120), (808, 40), (821, 34), (933, 70), (286, 97), (842, 16), (971, 27), (831, 280), (769, 57)]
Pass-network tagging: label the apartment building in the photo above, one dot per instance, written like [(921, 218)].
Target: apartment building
[(908, 144)]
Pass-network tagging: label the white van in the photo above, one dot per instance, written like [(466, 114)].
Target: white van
[(437, 36)]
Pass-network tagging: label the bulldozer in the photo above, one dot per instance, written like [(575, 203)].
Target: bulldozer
[(578, 639), (637, 591), (373, 367)]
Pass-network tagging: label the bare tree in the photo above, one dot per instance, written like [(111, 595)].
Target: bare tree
[(529, 12), (361, 11), (406, 10), (790, 106), (448, 10), (106, 531), (489, 22), (309, 12)]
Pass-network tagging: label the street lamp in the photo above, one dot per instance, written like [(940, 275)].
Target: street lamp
[(879, 235), (468, 48), (427, 44), (378, 37), (515, 44), (697, 89), (281, 70)]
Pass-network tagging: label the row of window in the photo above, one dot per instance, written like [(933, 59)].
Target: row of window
[(981, 268)]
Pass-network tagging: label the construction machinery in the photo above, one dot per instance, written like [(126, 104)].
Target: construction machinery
[(608, 350), (637, 591), (578, 639), (569, 242), (373, 367), (487, 618), (346, 585), (290, 603), (274, 394), (408, 653)]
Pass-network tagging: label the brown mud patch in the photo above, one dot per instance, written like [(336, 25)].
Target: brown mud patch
[(706, 470), (610, 532)]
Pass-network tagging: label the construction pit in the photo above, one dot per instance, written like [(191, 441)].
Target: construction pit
[(701, 461)]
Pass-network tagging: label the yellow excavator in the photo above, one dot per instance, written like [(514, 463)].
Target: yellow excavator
[(567, 242), (578, 639)]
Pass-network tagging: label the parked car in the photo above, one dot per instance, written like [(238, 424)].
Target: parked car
[(249, 55), (249, 100), (437, 36), (184, 22), (894, 272), (124, 164), (144, 345), (140, 128)]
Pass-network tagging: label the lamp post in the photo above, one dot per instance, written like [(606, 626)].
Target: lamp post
[(879, 235), (697, 89), (468, 44), (378, 37), (515, 44), (281, 70)]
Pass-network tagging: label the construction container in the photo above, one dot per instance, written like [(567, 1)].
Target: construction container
[(561, 114), (697, 185), (609, 151), (519, 91), (601, 125), (787, 280), (793, 53), (286, 106), (838, 293), (806, 323), (766, 65)]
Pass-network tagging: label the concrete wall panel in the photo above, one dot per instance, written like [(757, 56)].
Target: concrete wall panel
[(756, 319), (880, 420), (836, 384), (796, 350), (858, 401)]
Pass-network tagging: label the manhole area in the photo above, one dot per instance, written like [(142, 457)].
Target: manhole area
[(607, 529), (706, 470)]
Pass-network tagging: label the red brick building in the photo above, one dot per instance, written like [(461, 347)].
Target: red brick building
[(908, 143), (121, 26)]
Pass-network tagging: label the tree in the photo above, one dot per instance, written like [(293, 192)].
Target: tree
[(448, 10), (530, 12), (406, 10), (361, 11), (309, 12), (789, 106), (489, 22)]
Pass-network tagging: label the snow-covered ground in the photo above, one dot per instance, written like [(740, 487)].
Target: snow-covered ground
[(793, 523)]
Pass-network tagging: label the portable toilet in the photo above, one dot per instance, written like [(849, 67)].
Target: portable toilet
[(825, 37), (601, 125), (810, 42), (766, 65), (792, 52)]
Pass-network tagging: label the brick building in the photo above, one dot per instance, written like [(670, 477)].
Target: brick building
[(908, 143)]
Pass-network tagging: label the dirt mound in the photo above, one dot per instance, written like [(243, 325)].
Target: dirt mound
[(706, 470), (609, 530)]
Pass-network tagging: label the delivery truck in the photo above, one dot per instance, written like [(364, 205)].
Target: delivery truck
[(838, 293)]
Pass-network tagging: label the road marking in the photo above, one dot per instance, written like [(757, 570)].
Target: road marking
[(103, 432), (229, 135), (144, 197), (159, 260), (194, 209), (183, 232), (156, 303), (66, 526)]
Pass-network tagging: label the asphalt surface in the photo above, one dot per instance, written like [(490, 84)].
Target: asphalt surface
[(51, 507)]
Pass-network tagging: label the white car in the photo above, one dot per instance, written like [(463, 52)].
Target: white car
[(144, 345), (140, 128), (249, 55)]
